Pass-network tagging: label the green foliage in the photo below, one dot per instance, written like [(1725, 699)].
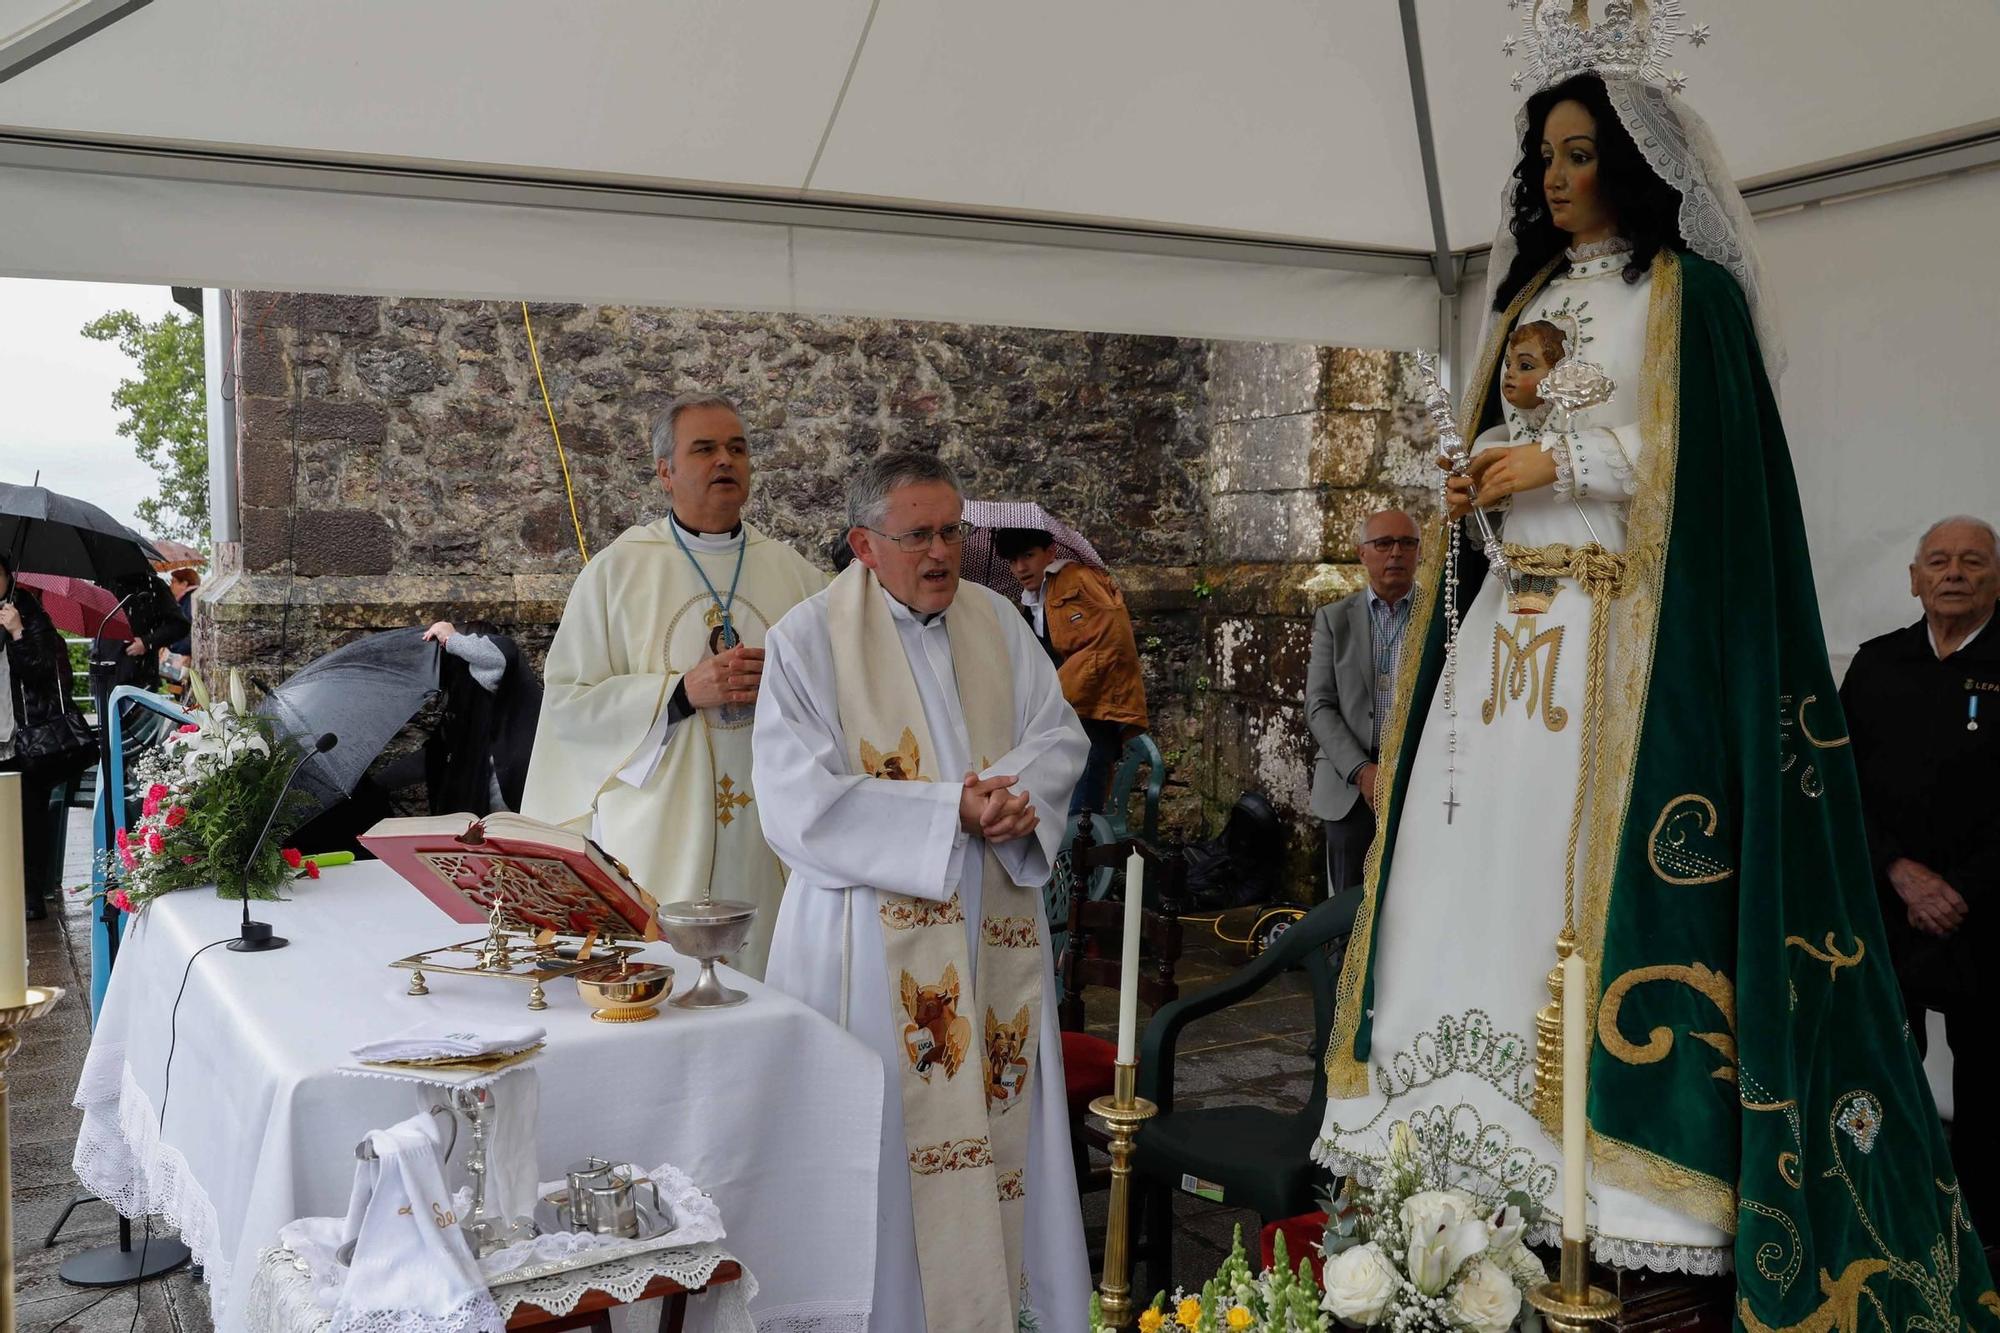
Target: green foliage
[(165, 415), (79, 671)]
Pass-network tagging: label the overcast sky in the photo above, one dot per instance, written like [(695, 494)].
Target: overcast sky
[(56, 386)]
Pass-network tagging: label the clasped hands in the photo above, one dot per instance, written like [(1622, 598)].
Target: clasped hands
[(987, 809), (732, 676), (1934, 906), (1495, 474)]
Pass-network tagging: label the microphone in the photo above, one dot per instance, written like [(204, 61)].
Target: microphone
[(256, 936)]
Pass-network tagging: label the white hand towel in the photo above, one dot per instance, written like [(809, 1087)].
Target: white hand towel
[(412, 1268), (432, 1039)]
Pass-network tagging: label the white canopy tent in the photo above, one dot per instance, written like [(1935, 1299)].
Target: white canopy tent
[(1158, 166)]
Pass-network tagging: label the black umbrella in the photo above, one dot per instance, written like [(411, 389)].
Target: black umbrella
[(363, 693), (46, 532)]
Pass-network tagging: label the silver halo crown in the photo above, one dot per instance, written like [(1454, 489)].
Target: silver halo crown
[(1631, 39)]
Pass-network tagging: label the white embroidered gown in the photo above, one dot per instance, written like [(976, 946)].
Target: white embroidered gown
[(1465, 938)]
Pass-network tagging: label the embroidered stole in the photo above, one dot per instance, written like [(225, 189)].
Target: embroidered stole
[(965, 1120)]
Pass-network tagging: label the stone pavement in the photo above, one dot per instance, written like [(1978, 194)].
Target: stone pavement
[(43, 1134), (1254, 1052)]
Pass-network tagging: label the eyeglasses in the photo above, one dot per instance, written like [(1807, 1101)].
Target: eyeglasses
[(1384, 545), (920, 539)]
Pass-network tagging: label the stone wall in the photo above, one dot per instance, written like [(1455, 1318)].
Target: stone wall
[(396, 466)]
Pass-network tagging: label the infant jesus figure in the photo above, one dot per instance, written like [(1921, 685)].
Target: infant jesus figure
[(1533, 350)]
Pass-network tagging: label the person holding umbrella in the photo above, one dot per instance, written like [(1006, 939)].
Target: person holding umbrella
[(38, 738), (1079, 615)]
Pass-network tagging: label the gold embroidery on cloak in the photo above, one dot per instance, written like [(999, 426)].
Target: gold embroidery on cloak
[(1668, 843), (1716, 987), (1523, 672), (1831, 955)]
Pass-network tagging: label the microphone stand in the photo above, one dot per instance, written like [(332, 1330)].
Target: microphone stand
[(256, 936)]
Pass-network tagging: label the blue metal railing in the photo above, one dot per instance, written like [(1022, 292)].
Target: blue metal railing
[(107, 817)]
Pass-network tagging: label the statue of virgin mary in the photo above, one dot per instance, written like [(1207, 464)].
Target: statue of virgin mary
[(1638, 739)]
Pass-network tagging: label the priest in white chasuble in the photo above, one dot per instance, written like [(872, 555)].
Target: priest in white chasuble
[(653, 679), (915, 758)]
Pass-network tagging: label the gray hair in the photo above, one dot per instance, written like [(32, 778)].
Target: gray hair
[(868, 494), (1992, 538), (663, 425)]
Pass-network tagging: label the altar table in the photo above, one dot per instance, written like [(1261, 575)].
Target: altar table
[(771, 1108)]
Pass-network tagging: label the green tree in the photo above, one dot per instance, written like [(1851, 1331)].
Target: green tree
[(166, 415)]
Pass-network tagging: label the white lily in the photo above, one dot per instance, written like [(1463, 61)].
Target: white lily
[(1438, 1250), (1504, 1227), (238, 700)]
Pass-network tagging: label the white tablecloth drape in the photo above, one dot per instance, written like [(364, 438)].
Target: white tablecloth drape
[(771, 1108)]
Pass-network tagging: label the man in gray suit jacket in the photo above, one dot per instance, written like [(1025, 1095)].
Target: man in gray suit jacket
[(1356, 649)]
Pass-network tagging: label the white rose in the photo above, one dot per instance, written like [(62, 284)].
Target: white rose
[(1427, 1211), (1359, 1283), (1522, 1263), (1485, 1299)]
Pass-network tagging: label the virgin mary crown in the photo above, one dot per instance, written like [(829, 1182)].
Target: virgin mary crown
[(1631, 39)]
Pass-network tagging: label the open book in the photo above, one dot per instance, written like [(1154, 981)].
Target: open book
[(544, 876)]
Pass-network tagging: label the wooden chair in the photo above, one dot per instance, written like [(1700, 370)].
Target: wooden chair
[(1093, 957)]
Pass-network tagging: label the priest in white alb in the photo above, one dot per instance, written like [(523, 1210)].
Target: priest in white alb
[(914, 760), (653, 679)]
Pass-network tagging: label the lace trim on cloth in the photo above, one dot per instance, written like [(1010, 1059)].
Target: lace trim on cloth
[(832, 1317), (120, 1159), (1715, 222), (281, 1296), (1558, 449), (1612, 1251)]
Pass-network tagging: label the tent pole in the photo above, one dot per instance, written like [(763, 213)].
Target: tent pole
[(1413, 55)]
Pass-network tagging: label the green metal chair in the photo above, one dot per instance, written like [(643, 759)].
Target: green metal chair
[(1259, 1158), (1140, 753)]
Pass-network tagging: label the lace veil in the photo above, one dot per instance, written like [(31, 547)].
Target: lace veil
[(1677, 143)]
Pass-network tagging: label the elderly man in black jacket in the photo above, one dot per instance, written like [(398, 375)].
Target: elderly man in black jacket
[(1923, 707)]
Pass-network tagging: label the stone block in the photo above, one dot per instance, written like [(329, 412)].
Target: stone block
[(262, 369), (400, 371), (1267, 454), (352, 423), (1248, 380), (1344, 447), (343, 541), (311, 312), (266, 538), (1363, 379), (1284, 526), (1345, 510), (264, 471)]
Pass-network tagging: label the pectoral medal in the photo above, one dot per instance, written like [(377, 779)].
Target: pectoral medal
[(1381, 682)]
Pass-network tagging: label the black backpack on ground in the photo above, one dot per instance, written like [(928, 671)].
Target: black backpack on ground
[(1240, 865)]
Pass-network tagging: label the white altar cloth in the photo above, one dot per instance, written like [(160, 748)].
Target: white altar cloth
[(773, 1109)]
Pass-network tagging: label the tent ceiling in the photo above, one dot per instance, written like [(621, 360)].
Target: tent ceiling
[(1285, 120)]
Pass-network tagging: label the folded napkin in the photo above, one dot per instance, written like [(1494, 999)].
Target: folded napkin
[(435, 1040)]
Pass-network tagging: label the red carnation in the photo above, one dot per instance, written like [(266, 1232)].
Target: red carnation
[(292, 857), (157, 792), (121, 900), (155, 844), (186, 729), (177, 816), (124, 840), (131, 861), (312, 870), (187, 860), (151, 806)]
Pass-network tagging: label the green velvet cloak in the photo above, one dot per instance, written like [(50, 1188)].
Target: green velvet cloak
[(1750, 1064)]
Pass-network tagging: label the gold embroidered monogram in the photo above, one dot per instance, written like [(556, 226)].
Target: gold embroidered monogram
[(955, 1155), (1523, 672), (728, 800), (1675, 849), (936, 1035), (903, 764)]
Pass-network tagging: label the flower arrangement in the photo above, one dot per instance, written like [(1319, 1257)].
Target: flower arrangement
[(1412, 1257), (208, 790), (1237, 1300)]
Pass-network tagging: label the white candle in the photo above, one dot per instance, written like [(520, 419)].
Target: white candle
[(1576, 1075), (1128, 966), (13, 893)]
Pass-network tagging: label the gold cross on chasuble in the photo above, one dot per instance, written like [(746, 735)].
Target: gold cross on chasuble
[(728, 800)]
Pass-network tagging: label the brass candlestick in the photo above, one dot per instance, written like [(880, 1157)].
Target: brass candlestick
[(40, 1000), (1571, 1304), (1124, 1111)]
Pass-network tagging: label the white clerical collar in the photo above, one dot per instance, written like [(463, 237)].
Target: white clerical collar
[(707, 541), (906, 614), (1034, 598), (1963, 643)]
